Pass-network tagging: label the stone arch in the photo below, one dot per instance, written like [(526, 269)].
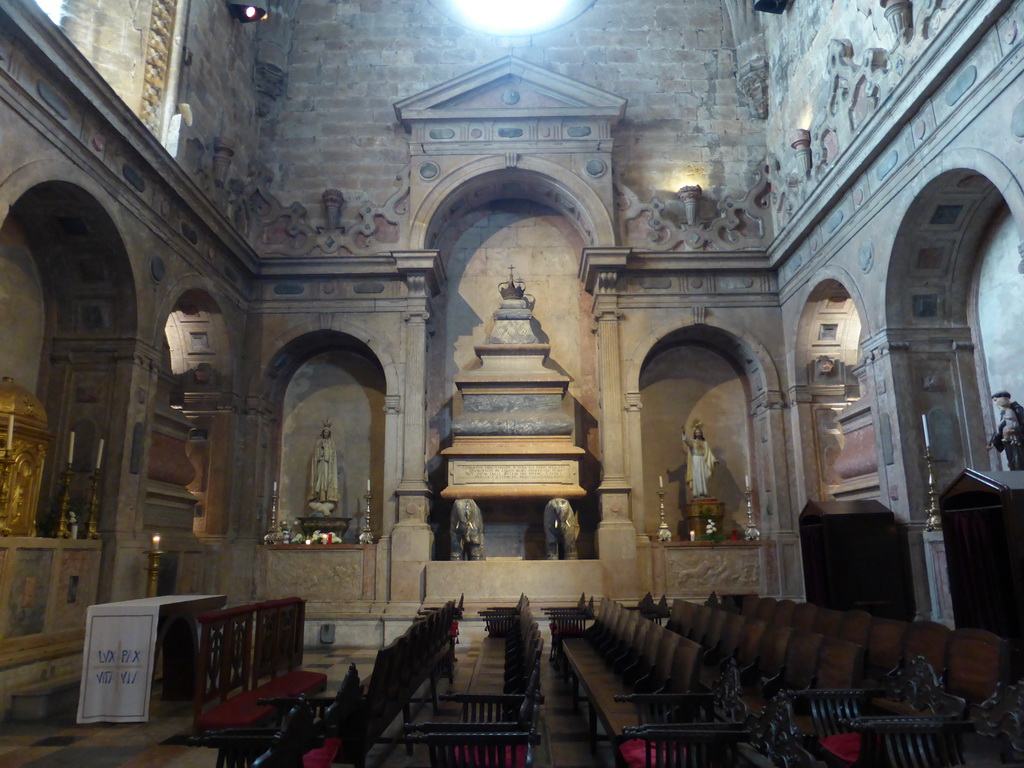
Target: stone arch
[(327, 374), (761, 369), (533, 178), (712, 371), (837, 444), (269, 381)]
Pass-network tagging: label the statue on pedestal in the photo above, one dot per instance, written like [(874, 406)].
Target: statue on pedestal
[(1009, 435), (561, 526), (324, 496), (700, 463), (467, 531)]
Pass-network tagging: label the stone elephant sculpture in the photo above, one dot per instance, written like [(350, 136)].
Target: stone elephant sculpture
[(561, 526), (467, 531)]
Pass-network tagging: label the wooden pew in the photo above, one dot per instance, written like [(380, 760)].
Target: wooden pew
[(247, 654)]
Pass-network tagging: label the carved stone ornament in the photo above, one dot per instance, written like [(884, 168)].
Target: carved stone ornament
[(661, 225), (825, 366)]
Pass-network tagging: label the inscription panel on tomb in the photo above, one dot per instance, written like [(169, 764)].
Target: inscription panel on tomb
[(512, 472)]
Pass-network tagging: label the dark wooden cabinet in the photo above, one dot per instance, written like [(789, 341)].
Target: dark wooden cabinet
[(855, 556), (983, 525)]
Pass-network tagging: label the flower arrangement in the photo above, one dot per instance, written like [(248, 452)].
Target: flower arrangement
[(711, 532)]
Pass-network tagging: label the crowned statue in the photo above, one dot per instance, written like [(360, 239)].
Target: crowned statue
[(324, 496)]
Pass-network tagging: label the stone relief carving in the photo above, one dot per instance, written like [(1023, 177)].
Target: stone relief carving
[(703, 571), (661, 224), (333, 576), (158, 54)]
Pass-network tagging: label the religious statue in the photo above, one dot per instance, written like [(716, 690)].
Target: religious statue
[(324, 496), (1009, 437), (467, 531), (561, 526), (701, 462)]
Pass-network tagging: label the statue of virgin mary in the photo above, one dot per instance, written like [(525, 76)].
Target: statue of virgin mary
[(323, 472)]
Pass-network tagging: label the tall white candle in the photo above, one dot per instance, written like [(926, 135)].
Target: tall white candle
[(924, 423), (71, 448), (746, 482), (10, 432), (99, 456), (156, 541), (367, 485), (661, 483), (275, 486)]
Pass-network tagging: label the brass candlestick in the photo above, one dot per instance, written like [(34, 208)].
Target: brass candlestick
[(65, 504), (153, 567), (664, 534), (94, 508), (6, 479), (274, 535), (750, 533), (934, 520), (366, 535)]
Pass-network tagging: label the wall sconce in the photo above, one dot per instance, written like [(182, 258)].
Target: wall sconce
[(800, 140), (247, 13), (690, 195), (770, 6)]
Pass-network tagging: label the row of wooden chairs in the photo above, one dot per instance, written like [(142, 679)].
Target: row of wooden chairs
[(494, 728)]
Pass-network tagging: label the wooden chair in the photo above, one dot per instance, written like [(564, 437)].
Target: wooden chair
[(977, 662), (884, 648), (707, 745), (855, 627), (783, 615), (714, 631), (511, 749), (799, 665), (749, 606), (928, 639), (827, 622), (773, 733), (765, 609), (750, 644), (681, 618), (701, 621), (805, 616), (1001, 717)]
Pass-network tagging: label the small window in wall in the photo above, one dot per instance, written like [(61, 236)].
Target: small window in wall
[(512, 17), (52, 8), (828, 332)]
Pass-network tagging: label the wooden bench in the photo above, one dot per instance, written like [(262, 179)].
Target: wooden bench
[(249, 653), (309, 733), (401, 668)]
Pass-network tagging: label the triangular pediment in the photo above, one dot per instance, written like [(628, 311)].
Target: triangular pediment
[(510, 88)]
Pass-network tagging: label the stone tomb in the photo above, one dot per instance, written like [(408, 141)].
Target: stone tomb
[(513, 439)]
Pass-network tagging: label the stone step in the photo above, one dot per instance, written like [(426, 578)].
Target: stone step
[(45, 699)]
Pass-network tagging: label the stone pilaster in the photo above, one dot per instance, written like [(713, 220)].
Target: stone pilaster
[(411, 541)]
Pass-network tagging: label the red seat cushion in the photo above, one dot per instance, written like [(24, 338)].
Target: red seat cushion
[(240, 711), (634, 753), (322, 757), (473, 756), (845, 746), (293, 683)]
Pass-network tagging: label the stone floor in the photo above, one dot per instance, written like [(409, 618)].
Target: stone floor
[(60, 743)]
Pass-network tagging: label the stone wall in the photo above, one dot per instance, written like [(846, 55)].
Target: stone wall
[(350, 61)]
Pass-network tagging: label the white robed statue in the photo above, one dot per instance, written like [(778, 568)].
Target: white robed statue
[(323, 471), (701, 462)]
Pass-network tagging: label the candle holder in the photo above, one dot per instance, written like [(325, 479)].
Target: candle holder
[(152, 570), (65, 504), (750, 533), (6, 475), (366, 535), (934, 519), (664, 534), (94, 508), (274, 534)]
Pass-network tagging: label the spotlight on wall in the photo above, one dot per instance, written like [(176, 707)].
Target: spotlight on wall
[(770, 6), (246, 13)]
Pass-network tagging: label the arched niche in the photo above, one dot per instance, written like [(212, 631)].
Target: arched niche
[(331, 376), (543, 247), (933, 309), (696, 373), (198, 374), (67, 260), (827, 355)]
